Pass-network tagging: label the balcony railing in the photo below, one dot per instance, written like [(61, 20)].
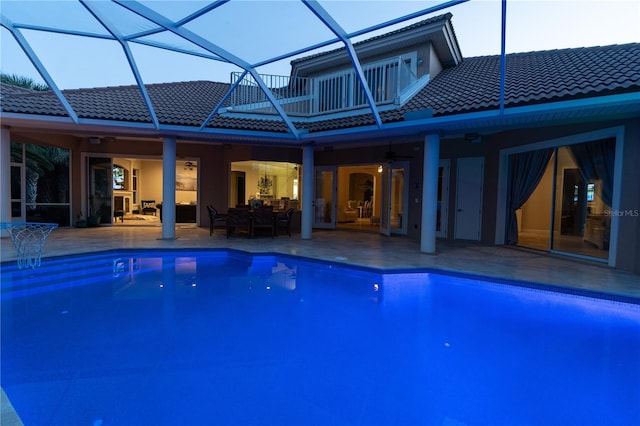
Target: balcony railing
[(340, 91)]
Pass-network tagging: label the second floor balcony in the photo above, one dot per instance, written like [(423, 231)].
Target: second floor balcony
[(340, 91)]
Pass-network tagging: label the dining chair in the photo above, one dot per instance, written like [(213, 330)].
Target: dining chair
[(263, 218), (284, 220), (238, 219), (215, 219)]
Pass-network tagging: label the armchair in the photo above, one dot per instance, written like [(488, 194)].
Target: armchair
[(348, 213), (148, 207)]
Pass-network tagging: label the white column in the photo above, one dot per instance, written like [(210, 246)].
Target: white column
[(430, 193), (169, 188), (5, 175), (307, 192)]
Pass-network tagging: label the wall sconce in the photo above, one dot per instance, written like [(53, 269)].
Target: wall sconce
[(379, 168), (419, 61)]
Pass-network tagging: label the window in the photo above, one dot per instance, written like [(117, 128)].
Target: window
[(119, 177)]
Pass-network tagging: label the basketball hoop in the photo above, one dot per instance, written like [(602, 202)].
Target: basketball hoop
[(28, 238)]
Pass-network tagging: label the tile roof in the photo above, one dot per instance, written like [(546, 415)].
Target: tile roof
[(532, 78), (8, 89), (473, 85), (187, 103), (440, 18)]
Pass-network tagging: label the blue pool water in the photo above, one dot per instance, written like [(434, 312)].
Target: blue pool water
[(224, 338)]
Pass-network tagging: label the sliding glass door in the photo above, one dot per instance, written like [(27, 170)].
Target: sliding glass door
[(568, 209), (100, 189), (584, 188)]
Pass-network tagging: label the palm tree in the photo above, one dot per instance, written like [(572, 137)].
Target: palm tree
[(22, 81)]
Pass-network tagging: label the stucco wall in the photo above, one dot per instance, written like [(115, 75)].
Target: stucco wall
[(628, 248)]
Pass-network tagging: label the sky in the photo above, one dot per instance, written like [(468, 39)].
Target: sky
[(254, 31)]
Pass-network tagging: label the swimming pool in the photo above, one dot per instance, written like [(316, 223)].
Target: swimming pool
[(225, 338)]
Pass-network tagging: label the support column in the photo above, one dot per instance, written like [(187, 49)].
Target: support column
[(5, 175), (169, 188), (430, 193), (307, 192)]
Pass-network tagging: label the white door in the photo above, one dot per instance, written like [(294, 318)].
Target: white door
[(325, 194), (469, 181)]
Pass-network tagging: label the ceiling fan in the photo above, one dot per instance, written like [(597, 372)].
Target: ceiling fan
[(188, 165), (391, 156)]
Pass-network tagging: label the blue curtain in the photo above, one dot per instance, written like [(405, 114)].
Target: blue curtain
[(527, 169), (595, 161)]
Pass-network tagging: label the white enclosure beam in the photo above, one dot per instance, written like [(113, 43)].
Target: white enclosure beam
[(110, 27), (328, 20), (194, 38), (35, 60)]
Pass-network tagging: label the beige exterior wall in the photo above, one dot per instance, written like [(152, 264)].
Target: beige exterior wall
[(214, 166)]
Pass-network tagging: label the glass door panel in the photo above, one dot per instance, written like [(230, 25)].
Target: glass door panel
[(398, 199), (17, 193), (385, 201), (100, 189), (580, 225), (325, 191)]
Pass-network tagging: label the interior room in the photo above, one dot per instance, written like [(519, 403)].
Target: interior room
[(358, 203), (273, 183), (137, 191)]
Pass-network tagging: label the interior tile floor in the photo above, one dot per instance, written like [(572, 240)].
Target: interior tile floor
[(358, 248)]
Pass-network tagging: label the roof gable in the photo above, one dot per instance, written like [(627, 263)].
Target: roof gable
[(437, 30)]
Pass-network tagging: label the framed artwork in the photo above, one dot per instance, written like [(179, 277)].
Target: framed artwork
[(186, 183)]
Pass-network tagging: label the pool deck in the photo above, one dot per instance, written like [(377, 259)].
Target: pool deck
[(358, 248)]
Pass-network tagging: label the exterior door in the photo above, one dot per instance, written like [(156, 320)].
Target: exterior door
[(100, 189), (399, 198), (325, 195), (469, 182), (394, 199)]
